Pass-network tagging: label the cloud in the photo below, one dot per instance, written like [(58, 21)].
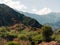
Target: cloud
[(34, 10), (14, 4), (42, 11)]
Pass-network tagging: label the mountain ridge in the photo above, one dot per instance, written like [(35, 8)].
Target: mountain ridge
[(9, 17), (50, 19)]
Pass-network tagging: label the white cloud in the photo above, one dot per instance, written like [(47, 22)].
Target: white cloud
[(42, 11), (34, 10), (21, 7), (14, 4)]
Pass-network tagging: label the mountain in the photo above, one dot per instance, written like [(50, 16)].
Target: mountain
[(55, 25), (9, 17), (52, 19)]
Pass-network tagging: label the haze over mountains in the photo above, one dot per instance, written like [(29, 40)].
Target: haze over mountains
[(52, 19)]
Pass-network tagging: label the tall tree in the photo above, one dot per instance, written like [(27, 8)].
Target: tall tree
[(47, 33)]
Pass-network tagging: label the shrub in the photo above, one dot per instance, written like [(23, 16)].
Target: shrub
[(57, 38), (37, 37), (22, 37), (12, 43)]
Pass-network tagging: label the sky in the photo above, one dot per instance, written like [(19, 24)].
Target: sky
[(34, 6)]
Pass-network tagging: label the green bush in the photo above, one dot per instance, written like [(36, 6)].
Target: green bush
[(57, 38), (12, 43), (37, 37), (22, 37)]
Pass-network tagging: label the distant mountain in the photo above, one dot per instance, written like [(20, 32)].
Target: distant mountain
[(52, 19), (9, 17), (55, 25)]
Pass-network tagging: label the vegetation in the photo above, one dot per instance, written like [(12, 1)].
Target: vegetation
[(28, 37), (57, 35), (12, 43), (17, 29), (47, 33)]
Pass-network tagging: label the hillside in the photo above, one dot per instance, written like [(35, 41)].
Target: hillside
[(16, 28), (9, 17)]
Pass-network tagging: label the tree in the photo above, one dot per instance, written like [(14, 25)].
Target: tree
[(47, 33)]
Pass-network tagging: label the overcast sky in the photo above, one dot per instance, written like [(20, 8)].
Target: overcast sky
[(34, 6)]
